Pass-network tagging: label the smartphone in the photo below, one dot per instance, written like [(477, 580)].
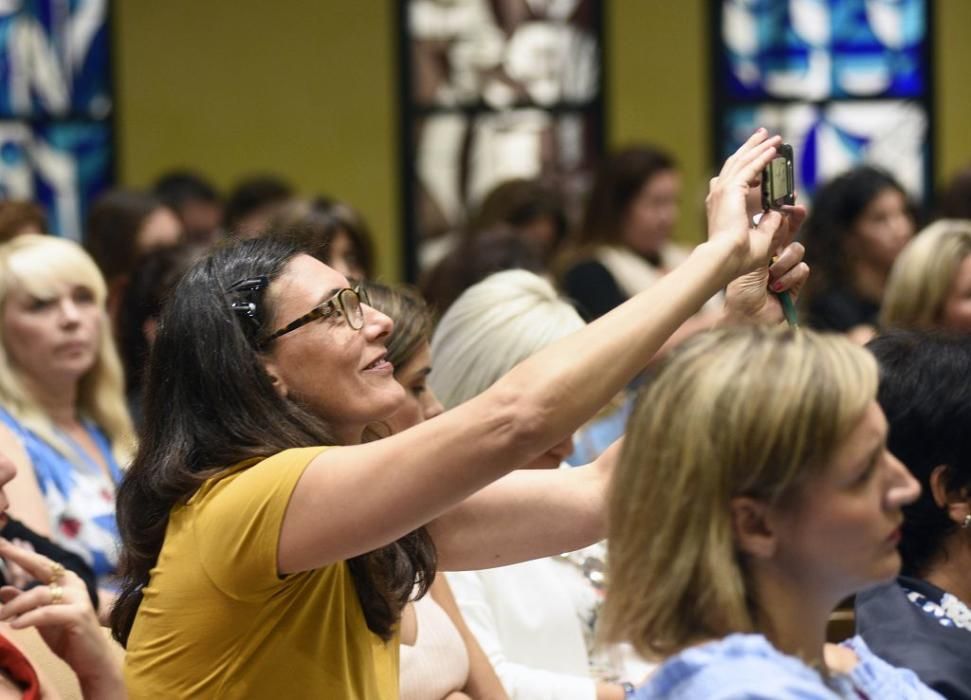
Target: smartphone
[(778, 180)]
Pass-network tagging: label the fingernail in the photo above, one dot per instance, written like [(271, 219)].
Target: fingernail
[(777, 286)]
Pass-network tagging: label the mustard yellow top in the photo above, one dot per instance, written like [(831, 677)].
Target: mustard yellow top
[(217, 621)]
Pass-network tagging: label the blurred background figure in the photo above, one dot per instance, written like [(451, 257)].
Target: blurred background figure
[(122, 226), (858, 224), (930, 284), (954, 201), (17, 217), (332, 231), (63, 418), (520, 224), (252, 202), (922, 621), (489, 251), (195, 201), (623, 243), (151, 281)]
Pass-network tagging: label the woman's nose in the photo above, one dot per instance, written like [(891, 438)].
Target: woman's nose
[(70, 314), (376, 324), (905, 488)]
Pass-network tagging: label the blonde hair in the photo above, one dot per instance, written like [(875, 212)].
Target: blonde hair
[(36, 263), (743, 412), (923, 274), (493, 326)]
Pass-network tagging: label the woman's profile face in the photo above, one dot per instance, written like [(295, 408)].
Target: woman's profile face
[(882, 229), (956, 315), (841, 533), (420, 402), (653, 213), (55, 337), (338, 373)]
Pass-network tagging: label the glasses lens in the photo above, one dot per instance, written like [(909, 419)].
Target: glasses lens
[(351, 302)]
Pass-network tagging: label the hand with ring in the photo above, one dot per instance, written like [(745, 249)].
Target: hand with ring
[(62, 613)]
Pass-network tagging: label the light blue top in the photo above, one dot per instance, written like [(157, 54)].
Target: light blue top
[(748, 667), (79, 495)]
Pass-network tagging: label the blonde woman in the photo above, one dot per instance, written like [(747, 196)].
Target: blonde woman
[(535, 619), (62, 407), (754, 492), (930, 284)]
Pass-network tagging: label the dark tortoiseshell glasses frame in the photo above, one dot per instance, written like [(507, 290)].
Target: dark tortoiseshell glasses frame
[(346, 302)]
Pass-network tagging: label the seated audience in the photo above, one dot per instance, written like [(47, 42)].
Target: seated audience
[(440, 657), (333, 232), (59, 605), (623, 244), (63, 418), (860, 222), (930, 284), (269, 550), (476, 257), (61, 612), (530, 209), (195, 201), (122, 226), (754, 492), (922, 621), (954, 202), (252, 203), (151, 282), (535, 619), (19, 217)]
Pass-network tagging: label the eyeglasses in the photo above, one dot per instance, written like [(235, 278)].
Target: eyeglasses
[(346, 302)]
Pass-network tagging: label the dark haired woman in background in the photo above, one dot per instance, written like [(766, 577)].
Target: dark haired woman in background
[(259, 562), (623, 243), (334, 232), (923, 620), (151, 282), (859, 223), (122, 226)]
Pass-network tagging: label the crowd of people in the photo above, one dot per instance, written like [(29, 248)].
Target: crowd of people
[(577, 460)]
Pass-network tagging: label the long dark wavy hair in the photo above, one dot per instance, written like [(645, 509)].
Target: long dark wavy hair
[(210, 404)]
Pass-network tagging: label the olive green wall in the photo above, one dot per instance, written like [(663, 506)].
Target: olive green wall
[(305, 88), (308, 88)]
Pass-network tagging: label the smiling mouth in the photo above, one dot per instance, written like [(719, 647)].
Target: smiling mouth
[(380, 363)]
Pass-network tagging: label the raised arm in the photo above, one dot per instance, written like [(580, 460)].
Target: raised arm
[(355, 499), (528, 514)]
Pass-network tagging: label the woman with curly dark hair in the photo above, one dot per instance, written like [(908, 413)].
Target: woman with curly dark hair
[(858, 224)]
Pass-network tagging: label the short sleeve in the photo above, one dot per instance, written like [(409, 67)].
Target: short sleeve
[(237, 523)]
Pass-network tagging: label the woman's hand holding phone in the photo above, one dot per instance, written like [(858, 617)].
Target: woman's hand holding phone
[(727, 205)]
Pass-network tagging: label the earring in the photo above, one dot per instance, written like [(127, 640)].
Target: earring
[(967, 522)]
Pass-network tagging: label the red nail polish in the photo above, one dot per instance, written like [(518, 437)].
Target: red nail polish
[(777, 286)]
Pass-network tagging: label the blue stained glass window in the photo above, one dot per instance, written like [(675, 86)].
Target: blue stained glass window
[(55, 106), (844, 81)]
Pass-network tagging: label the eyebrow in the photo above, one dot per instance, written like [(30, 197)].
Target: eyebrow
[(329, 295)]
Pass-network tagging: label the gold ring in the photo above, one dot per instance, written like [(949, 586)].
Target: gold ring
[(57, 593), (57, 570)]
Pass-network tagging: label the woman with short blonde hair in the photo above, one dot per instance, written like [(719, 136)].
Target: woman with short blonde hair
[(930, 284), (754, 492), (62, 404)]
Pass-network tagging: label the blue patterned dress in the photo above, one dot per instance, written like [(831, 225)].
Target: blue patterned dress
[(80, 497)]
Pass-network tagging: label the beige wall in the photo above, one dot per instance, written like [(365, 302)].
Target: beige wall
[(309, 88)]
